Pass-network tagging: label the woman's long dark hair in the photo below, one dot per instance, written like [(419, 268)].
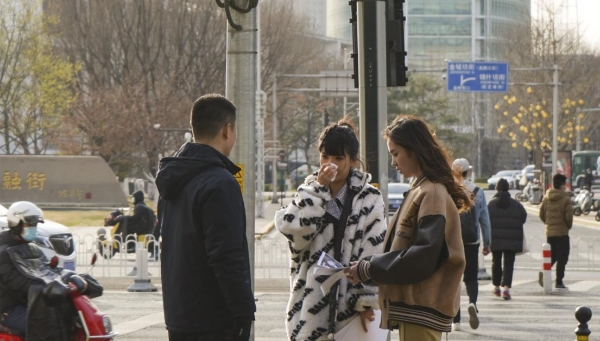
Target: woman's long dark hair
[(414, 135)]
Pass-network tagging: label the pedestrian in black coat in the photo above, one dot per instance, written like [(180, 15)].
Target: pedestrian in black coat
[(205, 268), (507, 217)]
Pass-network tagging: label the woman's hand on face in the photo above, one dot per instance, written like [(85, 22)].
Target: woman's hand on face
[(327, 173), (352, 273)]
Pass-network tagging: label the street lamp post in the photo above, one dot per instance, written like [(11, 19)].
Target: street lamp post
[(554, 119)]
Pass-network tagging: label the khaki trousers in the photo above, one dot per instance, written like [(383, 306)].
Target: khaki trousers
[(415, 332)]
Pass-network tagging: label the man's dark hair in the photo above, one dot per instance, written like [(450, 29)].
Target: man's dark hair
[(210, 113), (558, 180)]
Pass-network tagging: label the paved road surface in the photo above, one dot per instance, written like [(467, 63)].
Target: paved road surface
[(530, 315)]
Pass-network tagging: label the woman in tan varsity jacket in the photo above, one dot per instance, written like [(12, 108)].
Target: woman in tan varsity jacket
[(420, 271)]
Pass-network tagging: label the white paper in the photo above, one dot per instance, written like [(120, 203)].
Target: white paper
[(354, 331), (327, 265)]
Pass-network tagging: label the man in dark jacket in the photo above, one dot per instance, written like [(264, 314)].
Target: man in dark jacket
[(143, 219), (556, 212), (207, 292)]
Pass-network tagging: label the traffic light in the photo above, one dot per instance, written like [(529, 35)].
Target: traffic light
[(530, 156), (395, 50)]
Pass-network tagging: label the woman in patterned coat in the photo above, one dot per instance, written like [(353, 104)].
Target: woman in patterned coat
[(311, 223)]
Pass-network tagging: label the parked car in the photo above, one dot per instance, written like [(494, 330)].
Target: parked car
[(528, 172), (509, 175), (396, 195), (53, 238)]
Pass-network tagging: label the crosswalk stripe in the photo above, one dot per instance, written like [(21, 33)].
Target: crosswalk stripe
[(490, 286), (583, 285)]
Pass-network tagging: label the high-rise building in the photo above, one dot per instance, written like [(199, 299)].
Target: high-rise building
[(439, 30), (338, 20)]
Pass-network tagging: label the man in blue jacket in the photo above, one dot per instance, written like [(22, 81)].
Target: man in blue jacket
[(207, 292), (471, 222)]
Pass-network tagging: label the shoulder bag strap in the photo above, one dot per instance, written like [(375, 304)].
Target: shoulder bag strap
[(338, 237)]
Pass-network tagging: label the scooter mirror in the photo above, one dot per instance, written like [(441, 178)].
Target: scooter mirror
[(53, 262), (94, 259)]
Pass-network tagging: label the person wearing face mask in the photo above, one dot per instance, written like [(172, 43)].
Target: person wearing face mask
[(338, 212), (22, 217)]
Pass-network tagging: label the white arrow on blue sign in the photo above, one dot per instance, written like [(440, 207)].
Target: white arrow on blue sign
[(477, 77)]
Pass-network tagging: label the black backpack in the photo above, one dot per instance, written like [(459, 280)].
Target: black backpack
[(468, 223)]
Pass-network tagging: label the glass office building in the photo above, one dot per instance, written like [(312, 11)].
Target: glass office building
[(338, 20), (439, 30)]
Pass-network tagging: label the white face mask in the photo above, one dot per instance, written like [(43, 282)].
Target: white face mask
[(29, 233)]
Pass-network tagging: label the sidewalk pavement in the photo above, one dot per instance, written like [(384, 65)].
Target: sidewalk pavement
[(265, 224)]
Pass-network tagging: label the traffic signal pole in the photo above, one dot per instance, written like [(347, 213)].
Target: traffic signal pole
[(372, 87), (379, 62), (240, 88)]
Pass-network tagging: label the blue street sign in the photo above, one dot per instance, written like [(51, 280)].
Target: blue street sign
[(477, 76)]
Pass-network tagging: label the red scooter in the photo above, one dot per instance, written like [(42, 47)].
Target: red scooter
[(90, 324)]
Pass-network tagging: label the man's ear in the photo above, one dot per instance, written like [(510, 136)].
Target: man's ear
[(225, 132)]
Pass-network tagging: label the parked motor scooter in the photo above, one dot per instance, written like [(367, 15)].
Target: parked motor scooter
[(110, 242), (88, 322), (526, 193), (584, 200)]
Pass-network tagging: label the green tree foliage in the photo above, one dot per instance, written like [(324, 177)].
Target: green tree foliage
[(524, 115), (36, 85), (424, 97)]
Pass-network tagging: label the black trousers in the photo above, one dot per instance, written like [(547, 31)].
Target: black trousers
[(470, 275), (561, 247), (503, 275)]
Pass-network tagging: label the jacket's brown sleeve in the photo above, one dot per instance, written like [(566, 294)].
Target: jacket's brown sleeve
[(568, 213), (543, 211)]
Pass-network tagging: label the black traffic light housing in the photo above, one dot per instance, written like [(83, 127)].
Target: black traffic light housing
[(395, 49)]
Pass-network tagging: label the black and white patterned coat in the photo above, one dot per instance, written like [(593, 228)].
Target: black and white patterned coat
[(309, 234)]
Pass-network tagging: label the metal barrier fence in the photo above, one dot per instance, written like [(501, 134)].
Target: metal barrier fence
[(272, 259)]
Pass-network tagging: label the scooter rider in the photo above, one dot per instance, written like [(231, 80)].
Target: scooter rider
[(143, 219), (22, 218), (31, 289)]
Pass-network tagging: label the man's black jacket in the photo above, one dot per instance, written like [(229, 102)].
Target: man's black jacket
[(205, 262)]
